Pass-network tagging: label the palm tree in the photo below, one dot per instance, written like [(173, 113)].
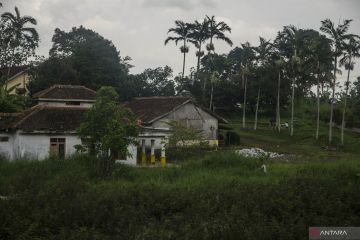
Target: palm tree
[(198, 35), (352, 51), (182, 32), (263, 52), (19, 32), (248, 57), (320, 53), (216, 30), (279, 65), (292, 35), (337, 36)]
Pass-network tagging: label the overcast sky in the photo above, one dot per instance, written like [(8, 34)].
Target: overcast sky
[(138, 28)]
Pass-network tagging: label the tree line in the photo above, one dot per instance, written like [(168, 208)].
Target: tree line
[(273, 74)]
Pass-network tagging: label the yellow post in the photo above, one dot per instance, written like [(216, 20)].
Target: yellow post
[(163, 157), (152, 154), (143, 153)]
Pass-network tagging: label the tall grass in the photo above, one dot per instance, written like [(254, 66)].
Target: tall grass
[(220, 196)]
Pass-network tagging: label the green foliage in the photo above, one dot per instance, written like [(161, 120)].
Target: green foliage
[(80, 57), (10, 103), (18, 41), (184, 142), (219, 196), (108, 127)]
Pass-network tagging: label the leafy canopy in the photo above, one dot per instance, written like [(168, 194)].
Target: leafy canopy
[(108, 125)]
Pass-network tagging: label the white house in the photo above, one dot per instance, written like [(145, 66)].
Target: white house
[(49, 127)]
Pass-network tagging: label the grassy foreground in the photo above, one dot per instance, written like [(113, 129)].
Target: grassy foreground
[(221, 196)]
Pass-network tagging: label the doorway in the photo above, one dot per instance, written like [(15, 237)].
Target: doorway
[(57, 147)]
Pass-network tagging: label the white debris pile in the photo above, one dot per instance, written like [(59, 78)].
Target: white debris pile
[(257, 153)]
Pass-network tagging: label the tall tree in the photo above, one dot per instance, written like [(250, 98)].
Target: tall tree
[(182, 33), (263, 53), (81, 56), (248, 58), (279, 66), (216, 30), (337, 36), (18, 41), (320, 62), (290, 40), (199, 34), (352, 51)]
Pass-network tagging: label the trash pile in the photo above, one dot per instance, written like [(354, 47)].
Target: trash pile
[(257, 153)]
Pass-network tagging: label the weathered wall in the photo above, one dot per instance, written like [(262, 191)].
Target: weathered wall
[(22, 80), (38, 146), (6, 148), (191, 116)]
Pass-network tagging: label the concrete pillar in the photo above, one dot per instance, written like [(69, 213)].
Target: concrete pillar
[(163, 157), (143, 152), (152, 154)]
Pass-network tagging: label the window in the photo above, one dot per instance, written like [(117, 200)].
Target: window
[(57, 147), (4, 139), (73, 103)]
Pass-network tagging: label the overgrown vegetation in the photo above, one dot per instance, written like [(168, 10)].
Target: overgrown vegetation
[(220, 196)]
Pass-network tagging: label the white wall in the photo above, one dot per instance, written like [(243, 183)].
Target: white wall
[(34, 146), (6, 148), (132, 158), (37, 146)]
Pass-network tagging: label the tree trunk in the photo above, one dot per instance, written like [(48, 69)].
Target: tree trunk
[(183, 71), (244, 104), (345, 102), (332, 102), (278, 122), (292, 107), (318, 104), (198, 61), (209, 53), (211, 95), (257, 109)]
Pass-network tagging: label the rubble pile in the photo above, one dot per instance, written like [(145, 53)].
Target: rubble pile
[(257, 153)]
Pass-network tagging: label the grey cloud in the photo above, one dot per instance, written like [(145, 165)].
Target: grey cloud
[(181, 4)]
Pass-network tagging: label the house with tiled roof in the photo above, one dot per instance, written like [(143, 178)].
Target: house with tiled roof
[(155, 113), (49, 127)]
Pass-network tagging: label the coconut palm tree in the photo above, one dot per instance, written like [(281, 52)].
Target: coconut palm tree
[(263, 53), (352, 51), (198, 36), (19, 35), (337, 36), (182, 33)]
